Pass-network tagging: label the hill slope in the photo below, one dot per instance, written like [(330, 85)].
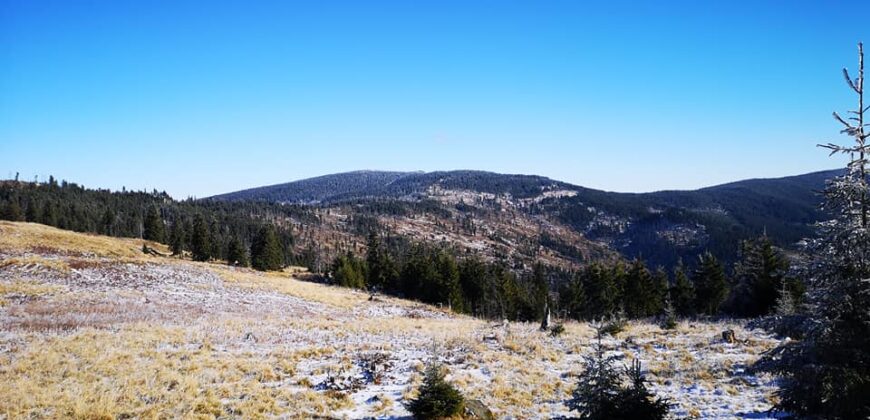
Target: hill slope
[(92, 328), (661, 227)]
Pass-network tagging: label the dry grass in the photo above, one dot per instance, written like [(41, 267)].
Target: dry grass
[(89, 336), (19, 237), (150, 372)]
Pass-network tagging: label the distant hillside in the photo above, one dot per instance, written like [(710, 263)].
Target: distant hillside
[(661, 227)]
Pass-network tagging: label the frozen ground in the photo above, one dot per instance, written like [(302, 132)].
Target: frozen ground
[(90, 330)]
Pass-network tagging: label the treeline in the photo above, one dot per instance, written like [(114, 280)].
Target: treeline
[(437, 276), (758, 284), (237, 232)]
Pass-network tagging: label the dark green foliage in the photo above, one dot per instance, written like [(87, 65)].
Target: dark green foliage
[(437, 398), (760, 274), (601, 290), (682, 292), (200, 239), (154, 228), (124, 214), (600, 394), (237, 253), (711, 285), (557, 330), (349, 271), (266, 252), (178, 238), (670, 319), (642, 294), (48, 215), (572, 297), (12, 211), (382, 271), (31, 214)]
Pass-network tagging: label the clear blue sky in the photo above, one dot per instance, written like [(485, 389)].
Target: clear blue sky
[(199, 98)]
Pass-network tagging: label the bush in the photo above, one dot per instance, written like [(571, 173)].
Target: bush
[(557, 330), (437, 398)]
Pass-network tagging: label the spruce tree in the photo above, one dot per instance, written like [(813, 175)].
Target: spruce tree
[(637, 295), (348, 271), (572, 297), (437, 398), (760, 273), (827, 373), (266, 252), (237, 254), (711, 285), (153, 229), (682, 292), (48, 216), (12, 211), (200, 239), (32, 213), (178, 238)]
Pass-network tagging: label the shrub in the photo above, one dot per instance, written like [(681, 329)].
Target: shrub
[(437, 398)]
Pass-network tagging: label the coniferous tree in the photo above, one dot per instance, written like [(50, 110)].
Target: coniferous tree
[(48, 215), (153, 229), (760, 273), (178, 238), (349, 271), (682, 292), (637, 295), (382, 271), (237, 253), (827, 373), (200, 239), (437, 398), (572, 297), (266, 252), (448, 282), (711, 285), (12, 211), (602, 294), (31, 214)]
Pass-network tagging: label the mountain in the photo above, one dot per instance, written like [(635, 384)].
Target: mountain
[(537, 217)]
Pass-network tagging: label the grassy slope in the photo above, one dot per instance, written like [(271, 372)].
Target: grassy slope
[(92, 328)]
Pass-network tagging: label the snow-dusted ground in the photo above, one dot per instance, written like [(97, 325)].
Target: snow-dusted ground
[(300, 342)]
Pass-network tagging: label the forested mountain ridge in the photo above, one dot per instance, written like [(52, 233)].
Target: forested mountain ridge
[(661, 227)]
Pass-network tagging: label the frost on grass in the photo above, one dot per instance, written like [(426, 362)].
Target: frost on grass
[(99, 335)]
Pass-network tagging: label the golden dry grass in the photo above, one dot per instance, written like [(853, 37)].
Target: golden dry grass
[(17, 237), (151, 372), (203, 368)]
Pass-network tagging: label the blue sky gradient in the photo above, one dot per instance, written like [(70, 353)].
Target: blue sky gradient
[(199, 98)]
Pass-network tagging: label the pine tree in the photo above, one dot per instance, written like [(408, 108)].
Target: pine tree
[(48, 215), (572, 297), (637, 295), (436, 398), (682, 292), (12, 211), (348, 271), (760, 272), (200, 239), (31, 214), (237, 254), (107, 224), (178, 238), (711, 285), (601, 291), (827, 373), (382, 272), (266, 252), (599, 394), (154, 229)]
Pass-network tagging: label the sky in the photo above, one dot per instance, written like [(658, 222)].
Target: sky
[(201, 98)]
